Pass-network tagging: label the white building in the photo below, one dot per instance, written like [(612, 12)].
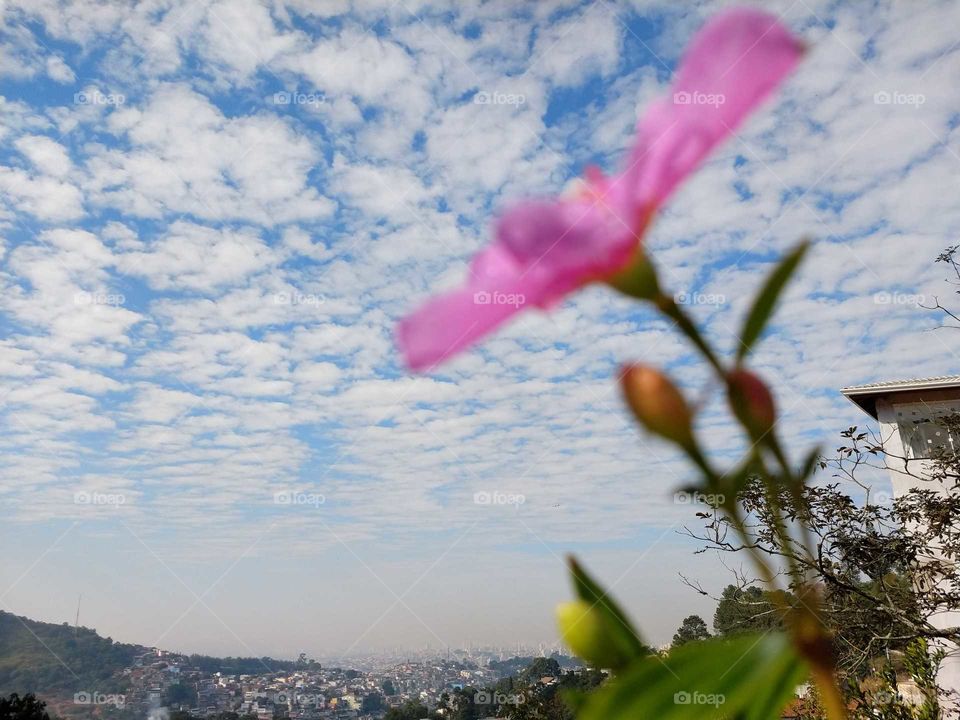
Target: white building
[(907, 412)]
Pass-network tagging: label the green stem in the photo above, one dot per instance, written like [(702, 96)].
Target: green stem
[(669, 307)]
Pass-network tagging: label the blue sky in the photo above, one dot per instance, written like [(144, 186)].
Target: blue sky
[(213, 213)]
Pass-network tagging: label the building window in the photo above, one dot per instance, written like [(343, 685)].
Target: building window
[(922, 430)]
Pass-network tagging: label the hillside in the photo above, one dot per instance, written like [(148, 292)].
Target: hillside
[(53, 660), (50, 659)]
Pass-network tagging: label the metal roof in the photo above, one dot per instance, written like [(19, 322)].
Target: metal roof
[(865, 396)]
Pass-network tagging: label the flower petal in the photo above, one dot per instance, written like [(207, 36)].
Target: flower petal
[(731, 65), (545, 249), (570, 239), (449, 323)]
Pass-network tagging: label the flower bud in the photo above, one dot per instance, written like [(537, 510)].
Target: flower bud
[(751, 402), (586, 629), (657, 403)]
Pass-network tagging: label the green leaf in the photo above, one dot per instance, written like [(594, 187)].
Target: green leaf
[(588, 590), (810, 463), (574, 699), (764, 305), (750, 677)]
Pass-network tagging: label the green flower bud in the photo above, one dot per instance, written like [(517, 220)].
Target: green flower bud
[(588, 630)]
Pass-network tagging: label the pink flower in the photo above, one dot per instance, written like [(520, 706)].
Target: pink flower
[(544, 249)]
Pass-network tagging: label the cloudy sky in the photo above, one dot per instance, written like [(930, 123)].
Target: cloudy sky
[(212, 213)]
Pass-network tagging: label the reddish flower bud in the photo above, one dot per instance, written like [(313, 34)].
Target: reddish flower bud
[(751, 402), (657, 403)]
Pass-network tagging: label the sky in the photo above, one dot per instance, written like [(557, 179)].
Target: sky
[(213, 213)]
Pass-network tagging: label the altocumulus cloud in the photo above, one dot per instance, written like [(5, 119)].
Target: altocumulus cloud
[(200, 272)]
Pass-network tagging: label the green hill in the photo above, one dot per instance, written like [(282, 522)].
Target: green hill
[(56, 661), (49, 659)]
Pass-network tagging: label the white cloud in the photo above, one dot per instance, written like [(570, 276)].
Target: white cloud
[(45, 154), (198, 258), (208, 317), (45, 198), (59, 71), (186, 156)]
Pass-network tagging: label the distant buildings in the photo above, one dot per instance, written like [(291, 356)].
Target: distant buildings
[(308, 694)]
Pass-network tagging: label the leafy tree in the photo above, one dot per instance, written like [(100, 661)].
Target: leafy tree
[(745, 609), (388, 687), (524, 697), (692, 628), (410, 710), (245, 666), (372, 703), (179, 694), (465, 706), (542, 667), (949, 256), (878, 580), (27, 707)]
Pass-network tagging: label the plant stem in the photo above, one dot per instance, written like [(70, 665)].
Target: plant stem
[(669, 307)]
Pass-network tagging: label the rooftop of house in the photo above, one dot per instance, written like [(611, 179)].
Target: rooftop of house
[(865, 396)]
